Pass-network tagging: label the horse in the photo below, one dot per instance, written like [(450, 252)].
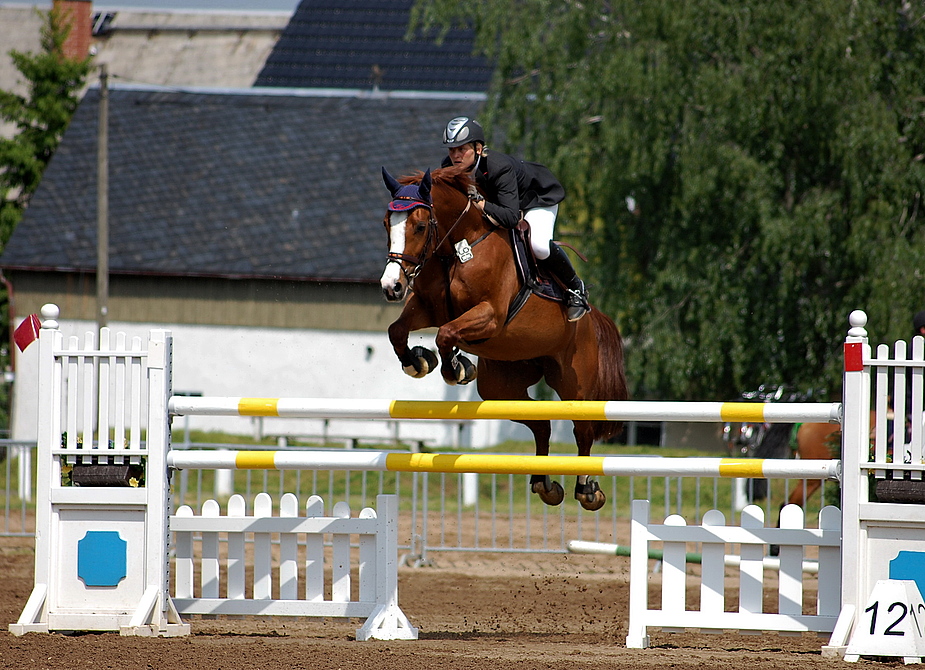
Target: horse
[(817, 441), (786, 440), (455, 271), (780, 440)]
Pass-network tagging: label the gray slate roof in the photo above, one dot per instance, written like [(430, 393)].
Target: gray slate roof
[(360, 44), (231, 184)]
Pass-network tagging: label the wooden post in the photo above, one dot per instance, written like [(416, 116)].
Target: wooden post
[(102, 203)]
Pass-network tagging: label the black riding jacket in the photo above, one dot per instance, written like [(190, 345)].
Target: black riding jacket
[(512, 186)]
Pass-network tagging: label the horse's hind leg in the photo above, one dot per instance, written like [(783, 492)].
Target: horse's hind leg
[(548, 489), (509, 380), (804, 489), (587, 491), (566, 383)]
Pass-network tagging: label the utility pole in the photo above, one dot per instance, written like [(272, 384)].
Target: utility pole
[(102, 203)]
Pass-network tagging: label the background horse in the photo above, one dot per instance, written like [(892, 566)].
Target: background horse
[(818, 441), (456, 272), (781, 440)]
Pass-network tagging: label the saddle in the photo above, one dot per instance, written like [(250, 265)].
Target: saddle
[(532, 277)]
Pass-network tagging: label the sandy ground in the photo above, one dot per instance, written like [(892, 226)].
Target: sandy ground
[(473, 612)]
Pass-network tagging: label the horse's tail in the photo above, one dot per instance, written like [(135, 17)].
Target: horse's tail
[(611, 376), (774, 444)]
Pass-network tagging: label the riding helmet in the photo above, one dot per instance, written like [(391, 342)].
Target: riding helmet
[(462, 130)]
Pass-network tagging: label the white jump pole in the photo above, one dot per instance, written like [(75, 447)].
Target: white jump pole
[(385, 461), (584, 410)]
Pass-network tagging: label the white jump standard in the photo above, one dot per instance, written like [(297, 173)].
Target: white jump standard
[(102, 551)]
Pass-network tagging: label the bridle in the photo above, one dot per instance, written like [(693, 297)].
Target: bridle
[(416, 261), (426, 252)]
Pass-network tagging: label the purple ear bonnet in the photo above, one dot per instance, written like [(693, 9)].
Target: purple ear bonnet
[(407, 197)]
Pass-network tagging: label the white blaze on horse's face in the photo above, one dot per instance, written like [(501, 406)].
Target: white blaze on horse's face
[(393, 281)]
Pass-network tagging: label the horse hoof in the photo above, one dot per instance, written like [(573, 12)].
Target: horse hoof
[(459, 370), (590, 496), (423, 362), (465, 371), (549, 491), (592, 502)]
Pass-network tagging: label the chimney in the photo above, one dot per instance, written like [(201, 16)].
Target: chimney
[(78, 14)]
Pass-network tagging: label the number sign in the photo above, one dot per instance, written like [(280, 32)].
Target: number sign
[(893, 624)]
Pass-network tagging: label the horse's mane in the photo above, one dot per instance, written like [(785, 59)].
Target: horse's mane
[(453, 177)]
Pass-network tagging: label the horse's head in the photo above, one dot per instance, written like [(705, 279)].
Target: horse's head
[(427, 213), (412, 230)]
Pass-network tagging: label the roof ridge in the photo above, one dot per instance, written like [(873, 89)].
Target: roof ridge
[(284, 92)]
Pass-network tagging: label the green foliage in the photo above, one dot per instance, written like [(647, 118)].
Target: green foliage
[(774, 153), (41, 118)]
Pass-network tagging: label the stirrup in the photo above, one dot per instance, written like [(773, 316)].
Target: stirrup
[(577, 303)]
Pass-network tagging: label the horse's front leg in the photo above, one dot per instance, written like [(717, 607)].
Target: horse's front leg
[(479, 323), (415, 361)]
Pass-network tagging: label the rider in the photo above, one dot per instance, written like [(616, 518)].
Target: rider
[(513, 186)]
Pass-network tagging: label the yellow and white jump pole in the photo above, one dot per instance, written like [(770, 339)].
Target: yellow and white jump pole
[(384, 461), (575, 410)]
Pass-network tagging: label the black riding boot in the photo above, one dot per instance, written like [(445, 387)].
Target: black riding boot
[(559, 264)]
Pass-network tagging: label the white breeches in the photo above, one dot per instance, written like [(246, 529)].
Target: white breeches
[(542, 220)]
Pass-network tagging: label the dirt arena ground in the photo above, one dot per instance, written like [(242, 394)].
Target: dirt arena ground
[(473, 612)]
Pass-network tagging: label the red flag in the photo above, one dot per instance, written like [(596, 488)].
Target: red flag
[(27, 332)]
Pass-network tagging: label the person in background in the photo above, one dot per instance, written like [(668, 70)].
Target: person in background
[(918, 324), (918, 330)]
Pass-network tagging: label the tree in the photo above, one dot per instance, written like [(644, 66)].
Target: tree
[(743, 174), (54, 82), (41, 118)]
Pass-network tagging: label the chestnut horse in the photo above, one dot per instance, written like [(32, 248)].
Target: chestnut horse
[(456, 272), (787, 440), (819, 441), (813, 441)]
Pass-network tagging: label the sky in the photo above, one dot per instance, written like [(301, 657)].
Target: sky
[(208, 5)]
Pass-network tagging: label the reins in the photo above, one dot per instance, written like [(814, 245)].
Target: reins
[(456, 223), (431, 249), (419, 261)]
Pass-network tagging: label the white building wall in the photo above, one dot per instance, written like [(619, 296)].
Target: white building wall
[(277, 362)]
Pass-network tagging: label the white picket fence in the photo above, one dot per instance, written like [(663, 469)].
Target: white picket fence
[(376, 566), (753, 539)]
